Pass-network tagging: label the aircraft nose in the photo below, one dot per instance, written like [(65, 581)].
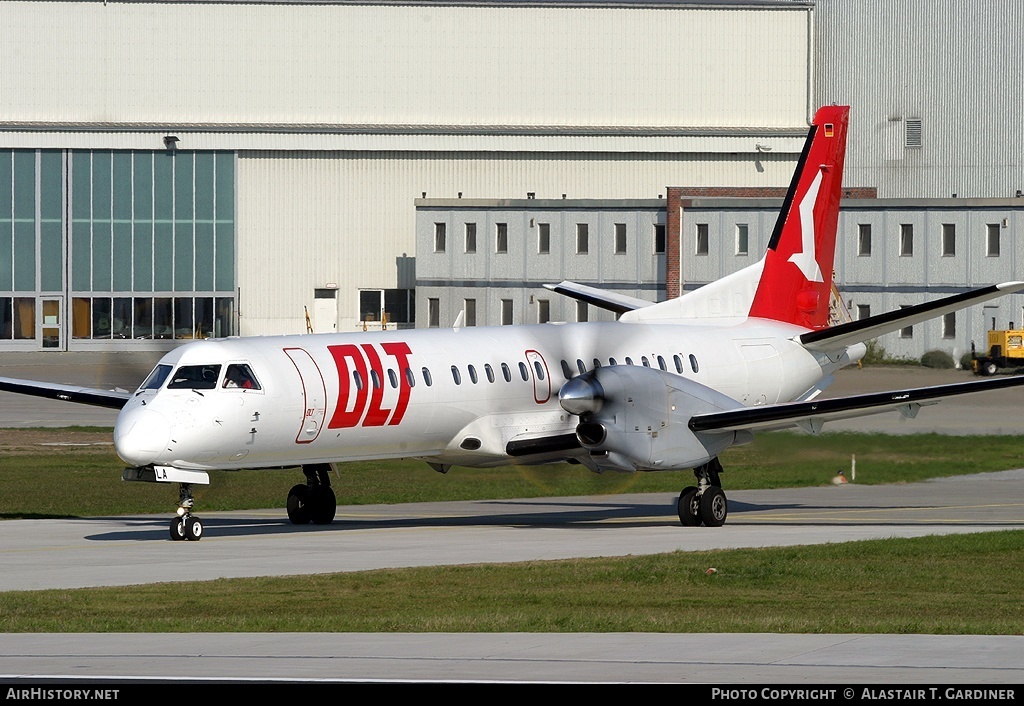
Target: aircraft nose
[(140, 435)]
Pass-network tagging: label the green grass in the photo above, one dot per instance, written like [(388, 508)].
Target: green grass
[(961, 584), (86, 481)]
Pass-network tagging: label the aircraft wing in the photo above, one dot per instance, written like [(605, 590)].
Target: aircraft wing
[(112, 399), (619, 303), (811, 415), (843, 335)]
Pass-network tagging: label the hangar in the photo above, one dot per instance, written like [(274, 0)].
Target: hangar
[(178, 170)]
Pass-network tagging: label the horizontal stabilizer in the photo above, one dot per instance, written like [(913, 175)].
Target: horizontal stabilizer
[(843, 335), (111, 399), (811, 415), (619, 303)]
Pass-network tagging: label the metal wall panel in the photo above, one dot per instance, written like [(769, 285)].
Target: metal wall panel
[(383, 64), (306, 220), (955, 66)]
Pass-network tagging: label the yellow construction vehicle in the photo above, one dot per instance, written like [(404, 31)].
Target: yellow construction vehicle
[(1005, 350)]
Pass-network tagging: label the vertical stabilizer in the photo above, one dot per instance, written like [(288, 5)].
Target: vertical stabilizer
[(797, 278)]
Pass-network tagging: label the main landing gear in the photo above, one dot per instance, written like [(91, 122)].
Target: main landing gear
[(186, 525), (705, 504), (314, 500)]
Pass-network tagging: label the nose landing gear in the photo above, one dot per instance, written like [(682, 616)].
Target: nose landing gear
[(186, 525)]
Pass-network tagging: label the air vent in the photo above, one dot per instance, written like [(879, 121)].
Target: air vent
[(914, 132)]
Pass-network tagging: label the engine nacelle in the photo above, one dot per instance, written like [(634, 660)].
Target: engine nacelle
[(636, 418)]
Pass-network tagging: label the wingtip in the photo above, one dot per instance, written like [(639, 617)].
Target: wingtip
[(1010, 286)]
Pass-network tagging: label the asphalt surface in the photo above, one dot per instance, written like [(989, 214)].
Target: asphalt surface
[(123, 551)]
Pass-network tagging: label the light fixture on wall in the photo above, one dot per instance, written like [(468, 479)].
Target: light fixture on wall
[(171, 143)]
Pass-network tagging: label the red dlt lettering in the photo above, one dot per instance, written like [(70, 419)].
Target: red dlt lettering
[(368, 397)]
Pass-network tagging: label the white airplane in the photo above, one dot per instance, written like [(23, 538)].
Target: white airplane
[(668, 386)]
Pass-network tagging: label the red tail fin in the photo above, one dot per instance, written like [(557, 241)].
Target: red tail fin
[(797, 276)]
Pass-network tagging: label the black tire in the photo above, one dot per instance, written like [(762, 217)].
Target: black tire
[(193, 529), (177, 529), (324, 505), (713, 507), (300, 510), (990, 368), (688, 507)]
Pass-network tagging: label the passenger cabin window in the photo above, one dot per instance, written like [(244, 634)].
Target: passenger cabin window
[(646, 362), (540, 370), (393, 378), (581, 365), (195, 377), (472, 373), (239, 375), (456, 376), (426, 377), (506, 373), (410, 377), (489, 371), (661, 364), (693, 363), (566, 370), (376, 380), (679, 363), (156, 378), (524, 372), (357, 379)]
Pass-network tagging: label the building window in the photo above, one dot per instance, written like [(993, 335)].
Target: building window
[(906, 240), (543, 311), (471, 238), (582, 239), (620, 238), (501, 238), (863, 311), (440, 234), (864, 240), (906, 331), (582, 313), (388, 306), (469, 307), (433, 313), (742, 238), (659, 238), (949, 325), (506, 312), (543, 238), (702, 239), (992, 241), (948, 240)]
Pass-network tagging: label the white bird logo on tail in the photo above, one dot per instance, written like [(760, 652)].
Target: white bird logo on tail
[(807, 260)]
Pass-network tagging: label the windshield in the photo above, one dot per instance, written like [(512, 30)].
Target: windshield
[(195, 377), (156, 378)]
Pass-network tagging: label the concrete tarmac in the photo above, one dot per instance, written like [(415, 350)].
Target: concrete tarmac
[(129, 550)]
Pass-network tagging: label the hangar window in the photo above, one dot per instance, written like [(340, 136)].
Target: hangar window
[(469, 309), (864, 240), (949, 325), (381, 308), (742, 238), (906, 239), (659, 238), (470, 238), (992, 240), (948, 240), (620, 238), (501, 238), (543, 311), (582, 238), (582, 312), (914, 133), (702, 239), (543, 238), (506, 312), (440, 237), (906, 331), (433, 313)]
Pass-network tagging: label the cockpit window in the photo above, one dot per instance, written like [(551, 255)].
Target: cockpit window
[(195, 377), (240, 375), (156, 378)]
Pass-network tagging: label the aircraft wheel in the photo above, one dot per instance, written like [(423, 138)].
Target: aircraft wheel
[(324, 505), (299, 507), (193, 529), (177, 529), (990, 368), (688, 507), (713, 507)]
